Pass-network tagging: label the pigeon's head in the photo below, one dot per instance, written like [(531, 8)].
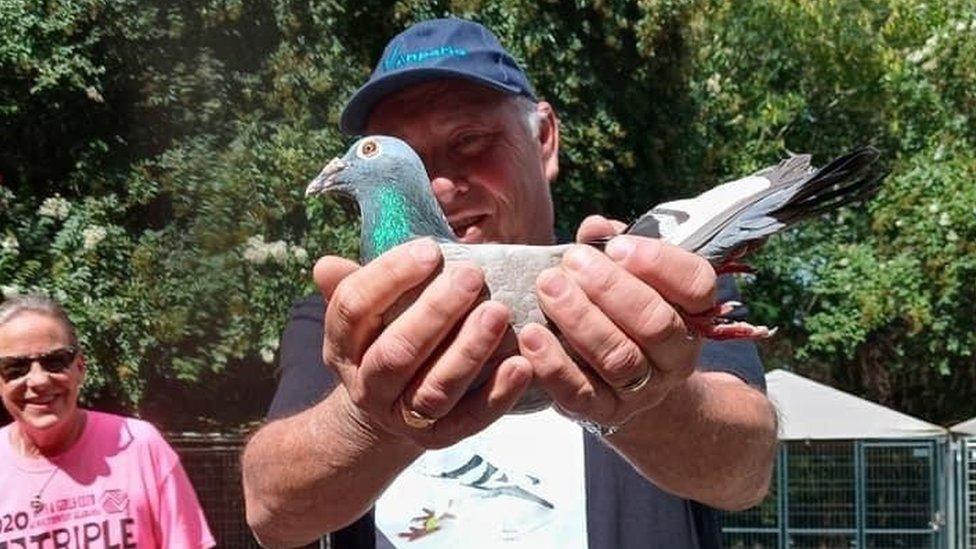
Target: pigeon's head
[(370, 164)]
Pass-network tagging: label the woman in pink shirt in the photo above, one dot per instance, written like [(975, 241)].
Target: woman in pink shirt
[(71, 477)]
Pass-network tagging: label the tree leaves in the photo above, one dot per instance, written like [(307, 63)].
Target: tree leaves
[(180, 133)]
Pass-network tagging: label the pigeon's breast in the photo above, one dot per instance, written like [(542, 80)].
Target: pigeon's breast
[(510, 273)]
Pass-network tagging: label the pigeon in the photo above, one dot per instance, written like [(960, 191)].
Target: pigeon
[(387, 180)]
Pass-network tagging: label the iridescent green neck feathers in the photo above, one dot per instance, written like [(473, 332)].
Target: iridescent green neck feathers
[(391, 218)]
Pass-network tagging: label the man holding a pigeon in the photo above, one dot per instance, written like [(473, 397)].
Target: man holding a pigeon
[(392, 443)]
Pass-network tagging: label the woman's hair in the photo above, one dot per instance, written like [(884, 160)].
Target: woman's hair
[(37, 303)]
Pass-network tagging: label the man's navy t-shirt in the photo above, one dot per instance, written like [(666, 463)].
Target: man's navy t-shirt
[(623, 510)]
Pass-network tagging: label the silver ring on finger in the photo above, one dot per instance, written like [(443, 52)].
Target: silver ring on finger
[(414, 418), (636, 384)]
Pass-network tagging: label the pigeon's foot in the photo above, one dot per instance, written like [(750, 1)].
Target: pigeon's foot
[(716, 325), (734, 267)]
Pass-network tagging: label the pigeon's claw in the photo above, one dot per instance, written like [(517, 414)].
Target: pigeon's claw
[(738, 330), (734, 267), (732, 263), (715, 324)]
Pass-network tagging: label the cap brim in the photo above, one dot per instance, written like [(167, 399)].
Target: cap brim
[(354, 116)]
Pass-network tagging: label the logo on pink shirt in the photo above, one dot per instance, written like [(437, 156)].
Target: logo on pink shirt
[(115, 501)]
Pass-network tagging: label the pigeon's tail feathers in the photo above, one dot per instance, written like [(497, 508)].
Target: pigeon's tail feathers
[(788, 171), (734, 218), (845, 180), (690, 222)]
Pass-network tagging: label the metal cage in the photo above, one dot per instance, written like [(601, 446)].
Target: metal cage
[(827, 494), (212, 461), (967, 493), (213, 464)]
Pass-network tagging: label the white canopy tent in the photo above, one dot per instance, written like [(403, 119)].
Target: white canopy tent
[(812, 411), (965, 429)]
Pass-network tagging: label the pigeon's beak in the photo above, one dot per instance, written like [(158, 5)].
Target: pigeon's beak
[(325, 180)]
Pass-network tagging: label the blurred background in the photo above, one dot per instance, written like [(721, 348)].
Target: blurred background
[(154, 154)]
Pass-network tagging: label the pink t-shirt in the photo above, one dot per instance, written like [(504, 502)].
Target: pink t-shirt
[(119, 486)]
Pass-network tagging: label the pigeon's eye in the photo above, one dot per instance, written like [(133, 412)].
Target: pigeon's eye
[(369, 149)]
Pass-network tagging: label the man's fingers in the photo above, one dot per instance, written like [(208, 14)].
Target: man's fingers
[(597, 226), (648, 321), (435, 391), (355, 313), (394, 357), (329, 272), (570, 387), (481, 408), (601, 344), (681, 277)]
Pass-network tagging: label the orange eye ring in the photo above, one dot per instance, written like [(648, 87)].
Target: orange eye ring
[(369, 149)]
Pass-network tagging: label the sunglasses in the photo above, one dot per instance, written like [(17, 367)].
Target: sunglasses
[(52, 362)]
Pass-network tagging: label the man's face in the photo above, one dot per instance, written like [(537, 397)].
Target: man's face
[(489, 173), (38, 400)]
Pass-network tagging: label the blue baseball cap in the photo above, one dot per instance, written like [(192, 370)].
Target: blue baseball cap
[(430, 50)]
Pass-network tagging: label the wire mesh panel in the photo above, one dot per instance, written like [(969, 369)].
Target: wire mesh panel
[(844, 494), (969, 491), (213, 465), (732, 539), (212, 462), (763, 517), (822, 540), (821, 487), (899, 540), (899, 495), (757, 527)]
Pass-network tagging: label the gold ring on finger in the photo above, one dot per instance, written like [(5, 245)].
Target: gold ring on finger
[(636, 384), (414, 418)]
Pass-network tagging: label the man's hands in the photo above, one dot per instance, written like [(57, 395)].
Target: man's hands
[(618, 312), (425, 360)]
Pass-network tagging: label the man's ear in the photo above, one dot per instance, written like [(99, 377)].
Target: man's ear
[(548, 140)]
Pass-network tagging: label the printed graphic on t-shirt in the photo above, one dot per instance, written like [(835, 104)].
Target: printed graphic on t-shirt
[(517, 484), (92, 519)]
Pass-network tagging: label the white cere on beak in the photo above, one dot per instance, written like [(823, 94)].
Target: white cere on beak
[(322, 183)]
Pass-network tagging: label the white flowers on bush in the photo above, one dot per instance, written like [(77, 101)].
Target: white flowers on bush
[(255, 250), (92, 236), (268, 348), (714, 84), (10, 245), (278, 250), (55, 207), (259, 252)]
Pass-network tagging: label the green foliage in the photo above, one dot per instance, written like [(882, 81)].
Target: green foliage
[(153, 156), (878, 300)]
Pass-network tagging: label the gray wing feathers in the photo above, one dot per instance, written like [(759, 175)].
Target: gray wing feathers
[(645, 225), (796, 194), (660, 222), (788, 170)]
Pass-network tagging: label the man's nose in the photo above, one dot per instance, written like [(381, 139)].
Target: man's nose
[(447, 189)]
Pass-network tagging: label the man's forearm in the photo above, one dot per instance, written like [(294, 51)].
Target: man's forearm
[(713, 440), (316, 472)]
